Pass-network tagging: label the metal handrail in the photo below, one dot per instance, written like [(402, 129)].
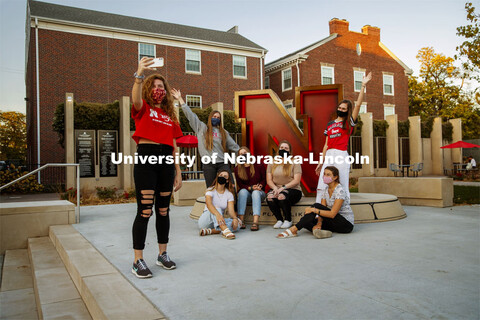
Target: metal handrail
[(77, 213)]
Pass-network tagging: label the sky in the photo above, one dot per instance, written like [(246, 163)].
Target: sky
[(280, 26)]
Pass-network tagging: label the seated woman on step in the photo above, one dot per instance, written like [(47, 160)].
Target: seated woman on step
[(218, 198), (333, 214)]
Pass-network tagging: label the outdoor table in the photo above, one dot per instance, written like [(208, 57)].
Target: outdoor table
[(403, 166), (458, 167)]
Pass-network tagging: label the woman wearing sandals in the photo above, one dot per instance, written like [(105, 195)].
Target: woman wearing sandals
[(284, 181), (212, 140), (218, 198), (157, 128), (338, 132), (251, 183), (332, 215)]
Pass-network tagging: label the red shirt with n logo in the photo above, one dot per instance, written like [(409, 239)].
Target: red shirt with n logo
[(337, 136)]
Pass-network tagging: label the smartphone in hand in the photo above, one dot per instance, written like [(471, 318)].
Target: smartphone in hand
[(157, 62)]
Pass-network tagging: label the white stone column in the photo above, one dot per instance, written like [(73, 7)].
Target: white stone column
[(125, 139), (437, 142), (392, 141), (69, 141), (367, 142)]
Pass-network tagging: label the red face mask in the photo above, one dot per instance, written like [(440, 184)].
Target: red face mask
[(158, 95)]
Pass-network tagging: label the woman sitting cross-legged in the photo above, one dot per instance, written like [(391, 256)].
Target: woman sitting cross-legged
[(251, 181), (333, 214), (218, 198)]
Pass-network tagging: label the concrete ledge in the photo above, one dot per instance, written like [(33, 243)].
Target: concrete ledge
[(22, 220), (106, 293), (366, 208), (189, 192), (420, 191)]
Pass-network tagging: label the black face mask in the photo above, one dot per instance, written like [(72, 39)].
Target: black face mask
[(283, 153), (221, 180), (342, 114)]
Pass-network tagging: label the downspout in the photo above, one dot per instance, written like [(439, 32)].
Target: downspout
[(38, 96), (262, 72)]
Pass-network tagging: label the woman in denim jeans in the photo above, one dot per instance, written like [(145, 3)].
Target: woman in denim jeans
[(251, 181)]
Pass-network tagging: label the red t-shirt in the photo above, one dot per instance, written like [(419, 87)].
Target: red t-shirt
[(337, 136), (155, 125)]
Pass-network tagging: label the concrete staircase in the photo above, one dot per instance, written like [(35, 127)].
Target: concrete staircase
[(64, 276)]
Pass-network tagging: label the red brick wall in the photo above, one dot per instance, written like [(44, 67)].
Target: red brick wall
[(342, 53), (101, 70)]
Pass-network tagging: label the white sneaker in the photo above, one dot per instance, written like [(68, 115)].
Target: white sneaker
[(278, 225), (286, 224)]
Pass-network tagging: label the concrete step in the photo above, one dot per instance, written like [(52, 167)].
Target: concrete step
[(55, 293), (17, 299), (106, 293)]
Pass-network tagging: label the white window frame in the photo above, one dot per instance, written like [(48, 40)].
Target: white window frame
[(388, 75), (199, 61), (385, 106), (267, 82), (364, 107), (233, 66), (188, 96), (333, 73), (360, 74), (283, 79), (147, 44)]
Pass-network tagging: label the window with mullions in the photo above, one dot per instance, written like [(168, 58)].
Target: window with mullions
[(192, 61), (358, 77), (240, 66), (194, 101), (327, 75), (388, 84), (146, 50), (287, 79)]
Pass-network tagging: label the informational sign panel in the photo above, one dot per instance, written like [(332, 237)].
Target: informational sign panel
[(107, 144), (85, 152)]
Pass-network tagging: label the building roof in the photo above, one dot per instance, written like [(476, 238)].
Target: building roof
[(108, 20)]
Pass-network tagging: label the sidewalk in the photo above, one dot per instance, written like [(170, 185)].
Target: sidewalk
[(424, 266)]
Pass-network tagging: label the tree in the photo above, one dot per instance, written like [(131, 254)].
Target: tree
[(436, 92), (13, 136), (469, 49)]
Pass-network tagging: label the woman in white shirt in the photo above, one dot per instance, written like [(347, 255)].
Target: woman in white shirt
[(218, 198), (333, 214)]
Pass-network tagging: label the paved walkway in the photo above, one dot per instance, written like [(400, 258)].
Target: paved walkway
[(425, 266)]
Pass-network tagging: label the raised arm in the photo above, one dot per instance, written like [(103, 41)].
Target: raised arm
[(192, 118), (137, 85), (359, 101)]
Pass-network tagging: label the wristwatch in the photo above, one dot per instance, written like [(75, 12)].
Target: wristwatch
[(139, 77)]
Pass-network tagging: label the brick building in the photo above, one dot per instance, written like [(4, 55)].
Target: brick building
[(343, 58), (94, 55)]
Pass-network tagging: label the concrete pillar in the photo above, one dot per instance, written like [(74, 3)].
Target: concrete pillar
[(447, 158), (124, 137), (367, 143), (69, 137), (456, 136), (415, 140), (392, 141), (437, 142), (427, 156)]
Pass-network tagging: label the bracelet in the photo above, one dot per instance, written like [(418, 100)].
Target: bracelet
[(139, 77)]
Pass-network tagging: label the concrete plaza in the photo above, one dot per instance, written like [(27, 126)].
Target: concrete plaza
[(424, 266)]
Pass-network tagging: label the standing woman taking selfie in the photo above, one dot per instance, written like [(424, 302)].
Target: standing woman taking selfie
[(337, 134), (157, 128)]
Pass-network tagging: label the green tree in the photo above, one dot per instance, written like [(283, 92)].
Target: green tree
[(13, 136), (469, 49)]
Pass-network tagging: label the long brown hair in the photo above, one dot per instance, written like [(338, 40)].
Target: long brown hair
[(242, 172), (167, 102), (228, 185), (287, 167), (209, 132), (334, 171), (346, 120)]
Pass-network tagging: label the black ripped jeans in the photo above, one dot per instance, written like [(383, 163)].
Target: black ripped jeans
[(152, 184), (292, 196)]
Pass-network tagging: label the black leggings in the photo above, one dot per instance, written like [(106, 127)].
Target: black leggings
[(337, 224), (153, 185), (292, 196)]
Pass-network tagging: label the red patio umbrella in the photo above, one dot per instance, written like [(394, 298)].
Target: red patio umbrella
[(187, 141), (460, 144)]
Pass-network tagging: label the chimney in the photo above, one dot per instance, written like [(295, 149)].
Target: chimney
[(372, 32), (338, 26)]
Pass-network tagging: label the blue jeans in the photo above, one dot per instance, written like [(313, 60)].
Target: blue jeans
[(208, 220), (255, 197)]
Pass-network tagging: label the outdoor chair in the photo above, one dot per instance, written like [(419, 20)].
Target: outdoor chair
[(416, 168), (395, 168)]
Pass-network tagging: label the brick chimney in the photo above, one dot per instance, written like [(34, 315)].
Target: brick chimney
[(338, 26), (372, 32)]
